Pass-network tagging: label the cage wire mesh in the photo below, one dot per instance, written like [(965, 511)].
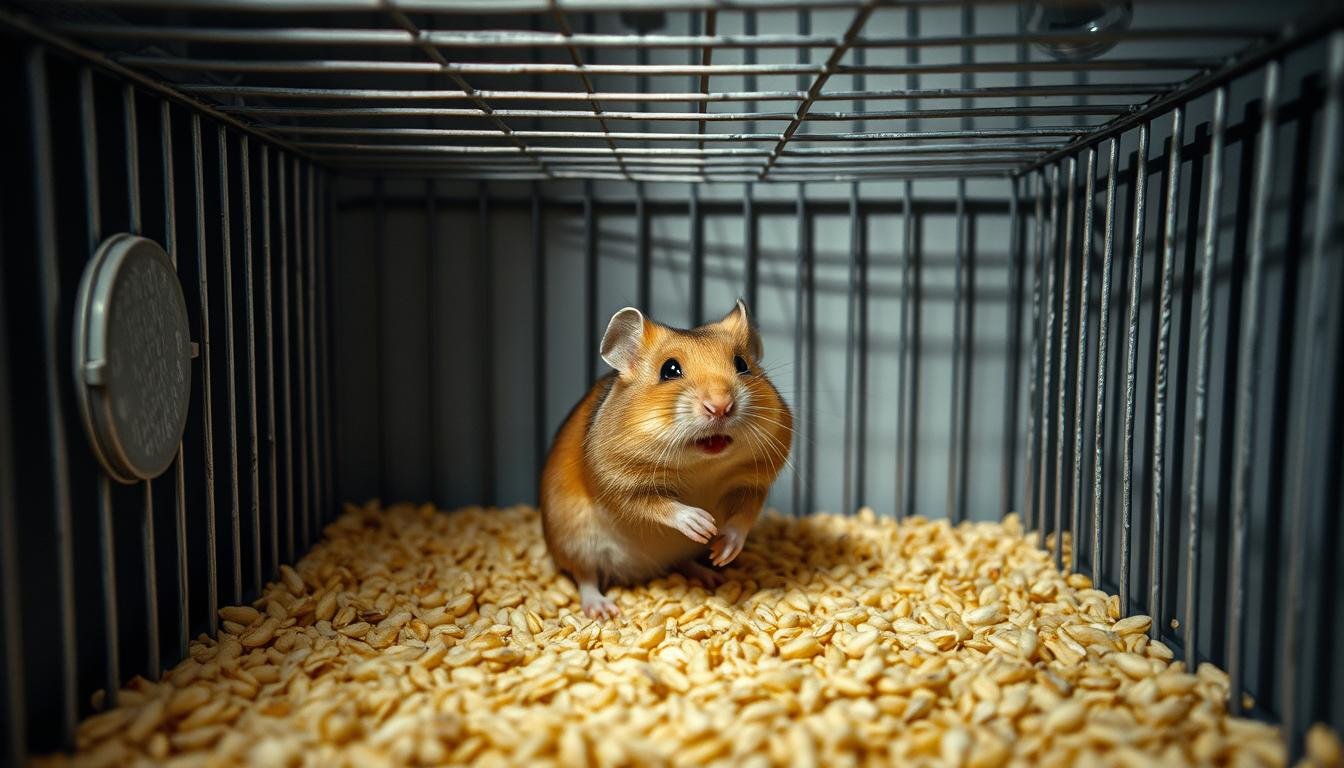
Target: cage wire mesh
[(1156, 166)]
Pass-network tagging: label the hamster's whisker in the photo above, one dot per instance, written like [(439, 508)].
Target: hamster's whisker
[(751, 443), (749, 423), (781, 449), (771, 442), (820, 415), (669, 445), (750, 413)]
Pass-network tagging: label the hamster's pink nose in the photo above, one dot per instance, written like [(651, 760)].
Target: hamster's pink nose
[(718, 406)]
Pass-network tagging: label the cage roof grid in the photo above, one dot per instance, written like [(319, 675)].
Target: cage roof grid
[(834, 90)]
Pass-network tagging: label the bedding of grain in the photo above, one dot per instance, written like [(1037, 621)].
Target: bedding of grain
[(410, 636)]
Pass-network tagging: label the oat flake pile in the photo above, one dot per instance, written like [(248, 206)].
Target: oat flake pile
[(411, 637)]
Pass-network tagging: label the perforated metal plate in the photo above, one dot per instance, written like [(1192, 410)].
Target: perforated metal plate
[(132, 357)]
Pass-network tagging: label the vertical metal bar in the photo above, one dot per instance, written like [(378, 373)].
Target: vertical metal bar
[(300, 367), (432, 333), (912, 56), (693, 58), (804, 26), (487, 347), (16, 717), (1308, 501), (322, 503), (1103, 336), (1247, 381), (245, 162), (861, 395), (151, 584), (50, 287), (314, 472), (107, 544), (902, 363), (748, 57), (132, 157), (147, 522), (858, 302), (325, 265), (207, 401), (696, 222), (964, 305), (643, 253), (804, 305), (313, 479), (799, 321), (697, 257), (1062, 414), (179, 466), (1221, 524), (711, 25), (539, 310), (329, 506), (810, 408), (1047, 350), (538, 334), (111, 623), (1080, 380), (379, 231), (45, 219), (591, 339), (1131, 366), (750, 244), (268, 316), (910, 343), (286, 395), (852, 288), (1163, 353), (1033, 486), (1208, 263), (226, 251), (1180, 377), (1008, 452), (954, 393), (968, 344), (309, 348), (967, 57)]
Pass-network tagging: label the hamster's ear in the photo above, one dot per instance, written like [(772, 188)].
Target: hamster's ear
[(740, 322), (623, 343)]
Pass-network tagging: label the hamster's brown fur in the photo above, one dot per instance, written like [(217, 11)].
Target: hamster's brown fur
[(639, 480)]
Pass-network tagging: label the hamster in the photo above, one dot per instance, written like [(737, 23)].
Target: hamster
[(666, 458)]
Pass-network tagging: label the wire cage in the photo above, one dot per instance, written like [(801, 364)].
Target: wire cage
[(1074, 260)]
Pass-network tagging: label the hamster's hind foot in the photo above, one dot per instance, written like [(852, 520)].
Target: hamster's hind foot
[(595, 604), (697, 572)]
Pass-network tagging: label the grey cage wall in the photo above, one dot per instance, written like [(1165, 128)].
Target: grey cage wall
[(1000, 266)]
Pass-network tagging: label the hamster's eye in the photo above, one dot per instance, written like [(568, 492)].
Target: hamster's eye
[(671, 370), (741, 364)]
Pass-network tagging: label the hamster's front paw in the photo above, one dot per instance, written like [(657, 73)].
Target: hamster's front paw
[(695, 523), (726, 546)]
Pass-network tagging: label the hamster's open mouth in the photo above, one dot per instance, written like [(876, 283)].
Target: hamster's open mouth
[(713, 443)]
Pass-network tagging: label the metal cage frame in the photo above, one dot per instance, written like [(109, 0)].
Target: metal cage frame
[(277, 157)]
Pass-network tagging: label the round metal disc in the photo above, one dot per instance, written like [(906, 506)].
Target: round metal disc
[(132, 357)]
